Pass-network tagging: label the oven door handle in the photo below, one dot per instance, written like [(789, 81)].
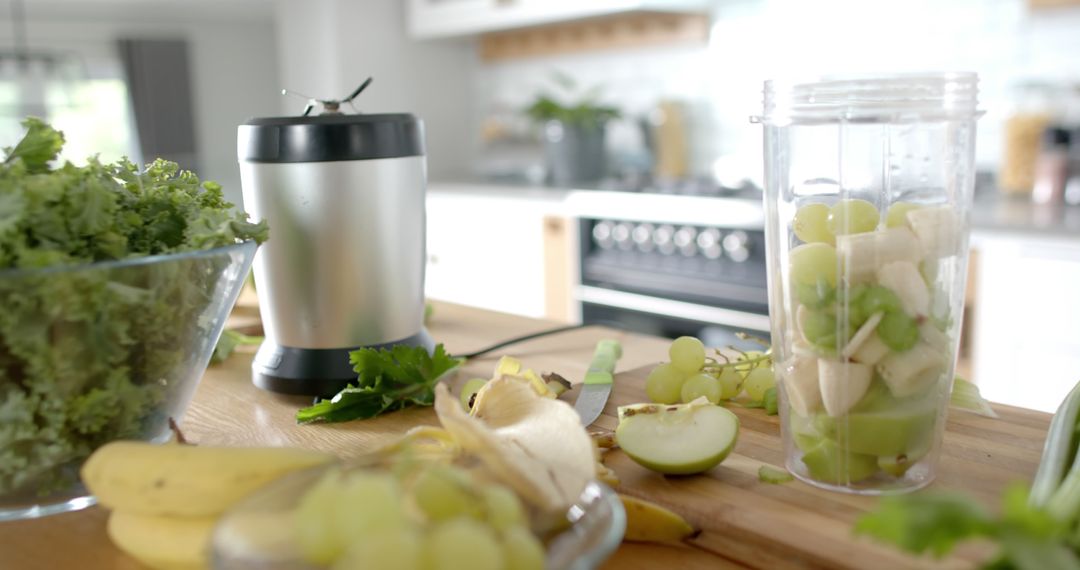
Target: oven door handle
[(672, 308)]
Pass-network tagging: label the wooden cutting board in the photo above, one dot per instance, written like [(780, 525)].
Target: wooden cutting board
[(795, 525), (745, 523)]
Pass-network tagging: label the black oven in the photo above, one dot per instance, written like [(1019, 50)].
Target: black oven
[(644, 271)]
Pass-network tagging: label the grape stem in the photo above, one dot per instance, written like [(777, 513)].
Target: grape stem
[(755, 339), (752, 362)]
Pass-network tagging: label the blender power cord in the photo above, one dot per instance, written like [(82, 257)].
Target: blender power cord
[(535, 335)]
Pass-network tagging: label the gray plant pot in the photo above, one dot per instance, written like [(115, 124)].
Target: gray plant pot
[(574, 154)]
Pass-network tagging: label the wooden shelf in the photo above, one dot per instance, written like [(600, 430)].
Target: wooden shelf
[(1039, 4), (622, 31)]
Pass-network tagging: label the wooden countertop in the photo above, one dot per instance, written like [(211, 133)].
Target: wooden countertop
[(746, 523)]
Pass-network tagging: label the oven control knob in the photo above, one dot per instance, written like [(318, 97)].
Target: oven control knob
[(737, 246), (708, 241), (684, 239), (601, 235), (621, 234), (643, 237), (663, 238)]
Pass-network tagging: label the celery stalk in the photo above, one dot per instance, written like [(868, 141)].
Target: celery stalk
[(1052, 488)]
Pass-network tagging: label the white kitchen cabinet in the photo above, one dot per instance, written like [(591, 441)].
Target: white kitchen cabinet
[(1027, 319), (449, 18), (486, 247)]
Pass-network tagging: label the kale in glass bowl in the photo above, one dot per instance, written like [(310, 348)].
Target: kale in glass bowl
[(115, 283)]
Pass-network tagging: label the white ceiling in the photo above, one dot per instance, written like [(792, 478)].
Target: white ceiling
[(143, 9)]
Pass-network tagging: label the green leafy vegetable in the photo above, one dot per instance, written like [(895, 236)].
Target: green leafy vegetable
[(387, 380), (38, 148), (92, 353), (229, 342), (934, 523)]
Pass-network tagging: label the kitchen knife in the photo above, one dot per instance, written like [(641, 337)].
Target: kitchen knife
[(597, 385)]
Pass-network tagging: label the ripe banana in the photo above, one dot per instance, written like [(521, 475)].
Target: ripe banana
[(185, 480), (163, 543), (649, 522)]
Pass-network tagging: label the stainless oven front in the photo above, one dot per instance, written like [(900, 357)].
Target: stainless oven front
[(672, 265)]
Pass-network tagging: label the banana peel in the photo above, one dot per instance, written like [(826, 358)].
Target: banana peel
[(649, 522), (531, 443), (163, 543), (186, 480)]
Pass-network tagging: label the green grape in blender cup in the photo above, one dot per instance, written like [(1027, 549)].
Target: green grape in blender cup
[(898, 331), (815, 296), (811, 224), (812, 263), (897, 215), (852, 217)]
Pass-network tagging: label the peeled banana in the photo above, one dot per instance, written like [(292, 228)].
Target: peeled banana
[(860, 255), (843, 384), (185, 480), (936, 230), (163, 543), (904, 279), (649, 522), (913, 371)]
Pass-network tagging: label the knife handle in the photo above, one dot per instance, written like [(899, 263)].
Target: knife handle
[(605, 356)]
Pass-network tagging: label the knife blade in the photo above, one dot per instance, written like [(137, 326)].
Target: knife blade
[(598, 381)]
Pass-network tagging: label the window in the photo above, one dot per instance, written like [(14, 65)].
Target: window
[(92, 110)]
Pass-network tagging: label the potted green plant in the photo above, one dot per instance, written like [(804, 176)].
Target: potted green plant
[(573, 133)]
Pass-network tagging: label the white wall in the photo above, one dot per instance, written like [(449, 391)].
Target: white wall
[(753, 40), (327, 47), (232, 53)]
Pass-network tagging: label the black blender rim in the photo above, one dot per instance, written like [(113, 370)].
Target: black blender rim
[(330, 138)]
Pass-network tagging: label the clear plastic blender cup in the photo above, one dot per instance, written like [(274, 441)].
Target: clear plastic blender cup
[(869, 185)]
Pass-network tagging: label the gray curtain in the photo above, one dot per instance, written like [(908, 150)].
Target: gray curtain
[(159, 81)]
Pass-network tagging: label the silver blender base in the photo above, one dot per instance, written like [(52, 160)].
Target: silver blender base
[(319, 372)]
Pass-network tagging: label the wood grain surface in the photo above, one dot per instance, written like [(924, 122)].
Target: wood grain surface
[(745, 523)]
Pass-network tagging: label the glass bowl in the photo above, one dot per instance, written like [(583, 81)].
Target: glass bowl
[(251, 536), (98, 352)]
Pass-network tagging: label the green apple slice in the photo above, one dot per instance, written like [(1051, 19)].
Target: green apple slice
[(882, 425), (804, 432), (677, 439), (829, 463)]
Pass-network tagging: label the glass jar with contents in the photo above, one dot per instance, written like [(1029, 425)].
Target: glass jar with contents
[(1034, 110), (869, 184)]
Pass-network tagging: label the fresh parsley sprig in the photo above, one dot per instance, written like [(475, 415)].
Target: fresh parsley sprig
[(387, 380)]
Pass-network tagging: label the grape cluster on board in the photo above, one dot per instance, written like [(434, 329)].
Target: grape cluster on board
[(418, 516), (691, 374)]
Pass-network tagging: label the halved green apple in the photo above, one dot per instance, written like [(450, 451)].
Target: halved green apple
[(678, 439)]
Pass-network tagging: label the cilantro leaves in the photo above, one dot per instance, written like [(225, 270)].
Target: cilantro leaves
[(1028, 538), (387, 380)]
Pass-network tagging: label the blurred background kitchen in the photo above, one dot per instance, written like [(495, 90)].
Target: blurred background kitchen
[(593, 159)]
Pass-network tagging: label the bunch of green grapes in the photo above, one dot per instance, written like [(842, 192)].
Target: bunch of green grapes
[(430, 517), (690, 374)]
